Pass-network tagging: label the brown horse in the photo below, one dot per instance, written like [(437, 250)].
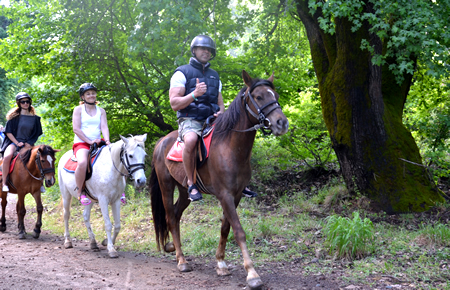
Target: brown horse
[(33, 165), (225, 174)]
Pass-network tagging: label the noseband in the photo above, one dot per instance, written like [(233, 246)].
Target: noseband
[(42, 170), (264, 122)]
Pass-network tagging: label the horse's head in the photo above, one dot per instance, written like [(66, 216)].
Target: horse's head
[(262, 104), (134, 158), (45, 160)]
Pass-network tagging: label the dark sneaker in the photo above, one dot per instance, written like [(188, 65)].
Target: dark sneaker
[(248, 193), (194, 197)]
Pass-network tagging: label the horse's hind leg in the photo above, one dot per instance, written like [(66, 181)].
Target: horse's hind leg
[(21, 211), (3, 219), (67, 200), (39, 209)]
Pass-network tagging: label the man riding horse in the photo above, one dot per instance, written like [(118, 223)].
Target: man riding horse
[(195, 93)]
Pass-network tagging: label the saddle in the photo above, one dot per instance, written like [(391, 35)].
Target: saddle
[(11, 167), (203, 145), (93, 154)]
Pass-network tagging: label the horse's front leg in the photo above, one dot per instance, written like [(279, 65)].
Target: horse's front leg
[(229, 209), (67, 200), (108, 227), (115, 209), (21, 211), (39, 209), (222, 268), (3, 219), (87, 222)]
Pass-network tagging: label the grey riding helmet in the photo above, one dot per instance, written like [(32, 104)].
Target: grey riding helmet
[(205, 41), (86, 87), (22, 95)]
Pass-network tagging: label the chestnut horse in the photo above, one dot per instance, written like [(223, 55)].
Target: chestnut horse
[(33, 166), (225, 174)]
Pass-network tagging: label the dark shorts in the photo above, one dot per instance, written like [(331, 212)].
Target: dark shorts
[(186, 125)]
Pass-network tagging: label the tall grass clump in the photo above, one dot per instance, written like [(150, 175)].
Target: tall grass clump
[(349, 238), (435, 235)]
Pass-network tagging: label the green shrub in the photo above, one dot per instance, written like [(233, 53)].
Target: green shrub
[(349, 238)]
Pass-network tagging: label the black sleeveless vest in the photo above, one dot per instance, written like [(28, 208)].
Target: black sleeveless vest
[(207, 103)]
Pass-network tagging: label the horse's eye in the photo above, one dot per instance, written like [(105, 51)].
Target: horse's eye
[(131, 156)]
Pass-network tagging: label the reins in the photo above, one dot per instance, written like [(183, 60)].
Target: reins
[(42, 171), (264, 123), (131, 168)]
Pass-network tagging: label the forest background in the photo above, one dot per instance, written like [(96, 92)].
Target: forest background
[(129, 50)]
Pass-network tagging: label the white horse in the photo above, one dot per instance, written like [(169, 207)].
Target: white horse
[(123, 158)]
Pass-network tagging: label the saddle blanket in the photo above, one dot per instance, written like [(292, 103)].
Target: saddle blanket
[(72, 163), (11, 166), (176, 152)]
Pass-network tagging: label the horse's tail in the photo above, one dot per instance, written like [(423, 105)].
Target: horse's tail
[(158, 211)]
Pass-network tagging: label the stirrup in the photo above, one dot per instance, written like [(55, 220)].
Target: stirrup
[(249, 193)]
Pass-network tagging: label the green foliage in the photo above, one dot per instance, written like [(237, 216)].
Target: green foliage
[(349, 238), (409, 30), (435, 235), (308, 137), (427, 116)]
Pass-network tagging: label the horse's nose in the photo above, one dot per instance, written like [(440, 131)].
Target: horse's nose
[(140, 182), (282, 125)]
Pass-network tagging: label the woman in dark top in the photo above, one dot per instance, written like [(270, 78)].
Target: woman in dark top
[(23, 128)]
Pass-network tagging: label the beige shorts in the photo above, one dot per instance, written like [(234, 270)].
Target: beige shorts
[(186, 125)]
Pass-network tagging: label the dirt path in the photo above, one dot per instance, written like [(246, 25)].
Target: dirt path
[(44, 264)]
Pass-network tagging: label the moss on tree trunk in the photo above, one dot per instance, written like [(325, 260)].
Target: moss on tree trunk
[(362, 106)]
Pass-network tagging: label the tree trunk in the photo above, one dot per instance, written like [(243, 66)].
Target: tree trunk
[(362, 106)]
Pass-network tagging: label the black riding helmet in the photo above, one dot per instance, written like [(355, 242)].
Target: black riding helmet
[(205, 41), (22, 95), (86, 87)]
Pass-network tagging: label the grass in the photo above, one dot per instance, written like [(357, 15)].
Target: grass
[(294, 230)]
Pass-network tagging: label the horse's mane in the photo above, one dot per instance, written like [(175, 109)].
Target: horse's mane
[(46, 150), (228, 120)]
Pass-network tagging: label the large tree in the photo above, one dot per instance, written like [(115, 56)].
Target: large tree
[(365, 54)]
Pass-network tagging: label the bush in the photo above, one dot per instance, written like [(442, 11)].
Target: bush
[(349, 238)]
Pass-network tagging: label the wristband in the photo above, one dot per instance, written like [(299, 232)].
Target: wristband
[(194, 97)]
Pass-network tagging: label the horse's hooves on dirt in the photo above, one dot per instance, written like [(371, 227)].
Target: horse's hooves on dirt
[(223, 272), (36, 235), (113, 255), (184, 267), (22, 236), (2, 229), (105, 242), (94, 246), (255, 283), (169, 247), (68, 245)]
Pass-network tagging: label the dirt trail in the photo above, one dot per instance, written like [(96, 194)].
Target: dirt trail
[(44, 264)]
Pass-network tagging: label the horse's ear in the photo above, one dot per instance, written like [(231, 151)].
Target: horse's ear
[(125, 140), (56, 150), (144, 137), (247, 79), (271, 78)]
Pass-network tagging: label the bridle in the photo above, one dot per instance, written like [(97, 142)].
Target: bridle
[(42, 170), (131, 168), (264, 123)]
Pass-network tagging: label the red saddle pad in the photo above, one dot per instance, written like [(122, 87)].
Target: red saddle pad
[(176, 152), (11, 165), (71, 165)]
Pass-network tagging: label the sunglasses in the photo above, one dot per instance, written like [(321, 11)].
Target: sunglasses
[(25, 102)]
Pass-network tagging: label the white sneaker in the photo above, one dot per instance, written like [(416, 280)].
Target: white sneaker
[(5, 188), (42, 189)]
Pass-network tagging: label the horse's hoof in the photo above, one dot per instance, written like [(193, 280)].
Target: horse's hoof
[(255, 283), (113, 254), (94, 246), (169, 247), (2, 229), (184, 267), (36, 234), (68, 245), (223, 272), (104, 242), (22, 236)]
